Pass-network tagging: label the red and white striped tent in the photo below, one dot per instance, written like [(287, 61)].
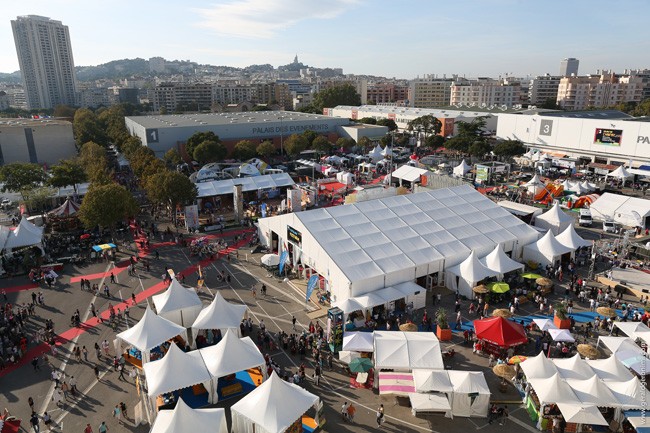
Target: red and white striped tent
[(67, 209)]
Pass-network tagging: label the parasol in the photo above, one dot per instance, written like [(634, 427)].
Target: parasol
[(480, 289), (504, 371), (530, 276), (102, 247), (606, 311), (84, 236), (517, 359), (270, 260), (502, 312), (360, 365), (408, 327), (544, 282), (499, 287), (588, 351)]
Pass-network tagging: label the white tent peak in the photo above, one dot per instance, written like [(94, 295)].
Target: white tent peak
[(231, 354), (538, 367), (176, 370), (498, 261), (185, 419), (473, 270), (548, 243), (178, 304), (555, 214), (535, 181), (569, 238), (151, 331), (220, 314), (620, 173), (24, 235), (461, 168)]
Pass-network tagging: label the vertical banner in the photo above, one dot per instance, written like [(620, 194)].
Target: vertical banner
[(311, 285), (191, 217), (238, 202), (294, 200), (263, 208), (283, 259)]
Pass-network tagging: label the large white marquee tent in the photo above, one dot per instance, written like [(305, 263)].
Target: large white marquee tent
[(464, 276), (628, 211), (26, 234), (547, 250), (184, 419), (554, 220), (179, 304)]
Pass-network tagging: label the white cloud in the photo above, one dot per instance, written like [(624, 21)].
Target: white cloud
[(263, 19)]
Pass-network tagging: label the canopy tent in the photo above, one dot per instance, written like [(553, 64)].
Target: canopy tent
[(178, 304), (271, 408), (635, 330), (538, 367), (535, 184), (554, 219), (593, 391), (499, 331), (582, 414), (461, 169), (638, 419), (184, 419), (220, 314), (547, 250), (25, 235), (250, 183), (429, 403), (150, 332), (471, 394), (408, 173), (620, 173), (426, 380), (386, 151), (67, 209), (570, 239), (552, 390), (561, 335), (270, 260), (358, 341), (625, 210), (467, 274), (176, 370), (375, 154), (631, 394), (574, 368), (499, 262), (406, 350), (379, 297), (610, 369), (544, 324), (627, 351), (567, 185)]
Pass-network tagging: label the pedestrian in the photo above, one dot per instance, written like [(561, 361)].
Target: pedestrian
[(317, 373), (105, 347), (112, 278), (133, 301), (96, 370), (293, 322), (88, 429), (120, 368), (73, 385), (92, 309), (351, 411), (35, 364), (380, 415), (30, 401), (65, 388), (103, 428), (504, 415), (263, 290), (123, 409), (33, 420), (4, 296), (77, 354), (253, 292), (117, 413), (84, 351), (344, 410)]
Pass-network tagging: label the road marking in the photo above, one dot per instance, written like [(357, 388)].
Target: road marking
[(81, 397)]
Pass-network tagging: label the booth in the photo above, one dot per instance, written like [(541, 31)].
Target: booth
[(499, 334), (499, 262), (220, 314), (466, 392), (554, 220), (461, 169), (184, 419), (178, 304), (398, 350), (466, 275), (358, 341), (547, 251), (25, 235), (570, 239)]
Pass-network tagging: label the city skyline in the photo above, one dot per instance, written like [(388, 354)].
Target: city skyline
[(356, 35)]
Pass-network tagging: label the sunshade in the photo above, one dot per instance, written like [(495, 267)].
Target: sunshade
[(530, 276), (496, 287), (480, 289), (561, 335), (606, 311), (504, 371), (502, 312), (408, 327), (499, 331), (360, 365), (102, 247), (270, 260), (588, 351), (517, 359), (543, 281)]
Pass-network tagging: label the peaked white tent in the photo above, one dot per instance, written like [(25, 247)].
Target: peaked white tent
[(631, 394), (271, 408), (184, 419), (375, 154), (358, 341), (552, 390), (26, 234), (535, 184), (545, 324), (610, 370), (464, 276), (567, 185), (176, 370), (587, 186), (554, 219), (570, 239), (426, 380), (582, 413), (151, 331), (538, 367), (386, 151), (220, 314), (178, 304), (461, 169), (620, 173), (407, 350), (547, 250), (499, 262), (561, 335), (573, 368), (634, 330), (471, 394), (593, 391)]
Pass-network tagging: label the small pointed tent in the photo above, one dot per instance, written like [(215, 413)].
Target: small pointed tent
[(547, 250), (464, 276), (610, 369), (66, 210), (386, 151), (461, 169), (500, 332), (184, 419), (570, 239), (552, 390), (499, 262), (574, 367), (538, 367), (375, 154), (178, 304), (176, 370), (471, 394), (220, 314), (620, 173), (554, 219), (271, 408), (151, 331), (26, 234), (231, 355), (577, 413), (567, 185), (587, 186), (593, 391), (358, 341), (535, 184)]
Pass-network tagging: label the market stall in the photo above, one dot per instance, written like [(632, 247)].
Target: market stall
[(498, 334), (220, 314), (358, 341), (554, 220), (405, 351), (467, 274), (498, 261), (547, 251), (570, 239), (178, 304), (184, 419)]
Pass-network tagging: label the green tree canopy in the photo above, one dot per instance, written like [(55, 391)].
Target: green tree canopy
[(473, 128), (244, 150), (170, 188), (130, 145), (112, 119), (93, 159), (172, 157), (321, 144), (154, 166), (345, 143), (365, 143), (461, 143), (368, 120), (426, 125), (67, 172), (479, 148), (105, 205), (434, 141), (210, 151), (265, 149), (87, 127), (198, 138), (21, 177), (310, 136), (295, 144), (38, 198), (509, 148), (140, 159), (342, 94), (64, 111), (389, 123)]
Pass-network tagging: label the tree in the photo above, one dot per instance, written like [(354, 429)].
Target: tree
[(210, 151), (434, 141), (93, 159), (154, 166), (473, 128), (343, 94), (368, 120), (170, 188), (172, 157), (130, 145), (310, 136), (105, 205), (86, 127), (295, 144), (21, 177), (389, 123), (140, 159), (265, 149), (67, 172), (244, 150), (345, 143), (550, 104), (38, 198), (321, 144), (509, 148), (426, 125), (64, 111), (112, 119), (461, 143), (198, 138), (365, 143), (479, 148)]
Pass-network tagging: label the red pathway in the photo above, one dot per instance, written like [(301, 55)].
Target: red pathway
[(14, 289)]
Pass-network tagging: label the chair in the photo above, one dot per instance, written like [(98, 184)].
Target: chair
[(362, 378)]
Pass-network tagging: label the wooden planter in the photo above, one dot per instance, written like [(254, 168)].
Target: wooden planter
[(443, 334), (562, 323)]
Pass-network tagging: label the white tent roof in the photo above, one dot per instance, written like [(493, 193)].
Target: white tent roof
[(548, 246), (379, 297), (178, 299), (634, 329), (630, 393), (499, 262), (561, 335), (587, 186), (573, 368), (24, 235), (176, 370), (427, 380), (429, 402), (554, 219), (614, 343), (610, 369), (252, 183), (184, 419), (535, 181), (462, 168), (471, 269), (593, 391), (620, 173), (273, 406), (570, 239), (358, 341), (545, 324), (408, 173), (386, 151), (151, 331), (538, 367), (582, 413), (468, 382), (567, 185), (407, 350), (220, 314), (552, 389), (231, 354), (627, 351), (620, 208)]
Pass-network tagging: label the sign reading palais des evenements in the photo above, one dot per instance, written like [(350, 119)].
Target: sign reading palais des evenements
[(290, 129)]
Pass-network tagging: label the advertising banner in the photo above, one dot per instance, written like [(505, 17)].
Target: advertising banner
[(608, 137), (191, 217), (284, 257), (294, 236), (482, 173), (311, 285)]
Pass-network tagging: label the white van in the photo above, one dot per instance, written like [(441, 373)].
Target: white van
[(585, 218), (609, 226)]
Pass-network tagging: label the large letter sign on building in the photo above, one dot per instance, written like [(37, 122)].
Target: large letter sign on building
[(294, 236)]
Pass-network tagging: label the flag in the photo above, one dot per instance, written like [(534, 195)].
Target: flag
[(311, 285), (200, 272), (283, 259)]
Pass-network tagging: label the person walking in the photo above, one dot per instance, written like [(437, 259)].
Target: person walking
[(30, 401), (103, 428), (380, 415), (84, 352), (112, 278), (105, 347), (117, 413), (351, 411), (317, 373), (88, 429), (96, 370), (34, 421), (120, 368), (123, 409), (73, 386), (293, 322)]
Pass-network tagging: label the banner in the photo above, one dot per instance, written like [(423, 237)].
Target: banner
[(311, 285), (283, 259), (191, 217), (263, 207)]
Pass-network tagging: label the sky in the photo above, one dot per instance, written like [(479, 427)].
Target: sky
[(402, 39)]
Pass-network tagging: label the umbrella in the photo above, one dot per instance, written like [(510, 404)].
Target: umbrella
[(480, 289), (517, 359), (502, 312), (360, 365), (102, 247), (408, 327), (544, 282), (504, 371), (606, 311), (84, 236), (530, 276), (499, 287), (270, 260), (588, 351)]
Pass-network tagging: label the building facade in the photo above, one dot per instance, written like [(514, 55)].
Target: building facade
[(46, 62), (485, 92), (386, 93), (605, 90), (429, 92), (569, 67), (44, 141), (543, 88)]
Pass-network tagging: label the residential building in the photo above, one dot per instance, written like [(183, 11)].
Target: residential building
[(171, 96), (382, 93), (543, 88), (94, 97), (569, 67), (486, 92), (603, 90), (4, 100), (429, 92), (46, 62), (644, 74)]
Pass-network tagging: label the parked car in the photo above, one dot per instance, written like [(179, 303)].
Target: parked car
[(585, 218)]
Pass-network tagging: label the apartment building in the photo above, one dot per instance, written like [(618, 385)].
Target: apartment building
[(543, 88), (429, 92), (603, 90), (171, 96), (484, 92), (383, 93)]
